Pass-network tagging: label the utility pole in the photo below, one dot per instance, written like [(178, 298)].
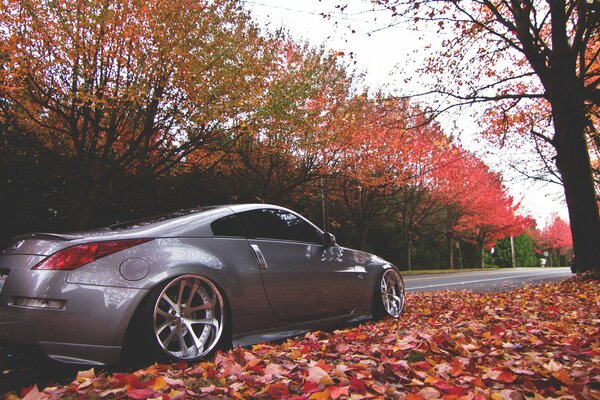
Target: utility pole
[(323, 204), (512, 252)]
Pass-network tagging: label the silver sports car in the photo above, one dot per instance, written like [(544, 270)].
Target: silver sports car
[(179, 285)]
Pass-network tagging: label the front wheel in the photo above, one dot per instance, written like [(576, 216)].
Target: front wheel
[(389, 295), (188, 315)]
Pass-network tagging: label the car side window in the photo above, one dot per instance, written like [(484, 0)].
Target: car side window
[(227, 226), (280, 224)]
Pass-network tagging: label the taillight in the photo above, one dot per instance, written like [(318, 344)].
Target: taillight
[(77, 256)]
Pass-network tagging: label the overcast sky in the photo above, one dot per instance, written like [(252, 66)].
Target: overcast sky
[(386, 55)]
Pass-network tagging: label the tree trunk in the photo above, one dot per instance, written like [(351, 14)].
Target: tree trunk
[(84, 205), (566, 95), (407, 238), (573, 162), (363, 232), (481, 246), (482, 256), (451, 242)]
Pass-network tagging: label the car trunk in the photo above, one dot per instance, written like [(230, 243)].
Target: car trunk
[(40, 244)]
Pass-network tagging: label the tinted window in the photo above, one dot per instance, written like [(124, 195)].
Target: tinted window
[(227, 226), (279, 224)]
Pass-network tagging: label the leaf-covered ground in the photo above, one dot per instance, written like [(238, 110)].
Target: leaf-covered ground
[(536, 342)]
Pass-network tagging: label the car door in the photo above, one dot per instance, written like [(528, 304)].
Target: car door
[(303, 279)]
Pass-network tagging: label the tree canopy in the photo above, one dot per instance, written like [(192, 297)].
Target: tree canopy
[(535, 64), (114, 110)]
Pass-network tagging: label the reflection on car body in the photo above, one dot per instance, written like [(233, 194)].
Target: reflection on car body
[(181, 284)]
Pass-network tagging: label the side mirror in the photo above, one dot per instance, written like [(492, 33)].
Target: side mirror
[(328, 239)]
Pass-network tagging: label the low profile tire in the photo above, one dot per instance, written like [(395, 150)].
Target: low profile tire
[(389, 295), (187, 318)]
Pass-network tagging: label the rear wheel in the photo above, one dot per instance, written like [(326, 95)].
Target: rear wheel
[(188, 317), (389, 295)]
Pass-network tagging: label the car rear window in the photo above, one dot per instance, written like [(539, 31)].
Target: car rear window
[(158, 218), (227, 226)]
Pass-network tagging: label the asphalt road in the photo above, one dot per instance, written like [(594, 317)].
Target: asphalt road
[(485, 281), (15, 373)]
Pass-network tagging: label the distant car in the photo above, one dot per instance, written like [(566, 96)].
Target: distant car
[(178, 285)]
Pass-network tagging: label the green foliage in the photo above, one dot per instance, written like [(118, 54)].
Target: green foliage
[(525, 256)]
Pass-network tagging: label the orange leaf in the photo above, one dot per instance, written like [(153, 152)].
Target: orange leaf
[(319, 396), (157, 383), (563, 376), (336, 391)]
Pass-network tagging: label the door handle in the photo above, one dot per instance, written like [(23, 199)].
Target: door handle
[(262, 263)]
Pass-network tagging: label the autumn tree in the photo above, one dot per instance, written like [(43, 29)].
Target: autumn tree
[(488, 212), (524, 56), (123, 87), (298, 115), (381, 162), (554, 238)]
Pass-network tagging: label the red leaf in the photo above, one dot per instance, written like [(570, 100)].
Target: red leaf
[(507, 377), (278, 390), (357, 385), (450, 388), (141, 394), (310, 387), (130, 380), (424, 365), (26, 390), (323, 365)]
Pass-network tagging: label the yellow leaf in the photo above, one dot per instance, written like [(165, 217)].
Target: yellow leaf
[(86, 375), (326, 380), (319, 396), (159, 383), (294, 355)]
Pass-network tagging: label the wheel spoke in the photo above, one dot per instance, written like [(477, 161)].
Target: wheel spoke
[(205, 306), (182, 286), (169, 338), (383, 285), (162, 327), (191, 296), (198, 344), (164, 314), (397, 299), (204, 321), (182, 346), (168, 300)]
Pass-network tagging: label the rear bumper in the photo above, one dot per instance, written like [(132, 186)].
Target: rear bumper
[(70, 353), (85, 324)]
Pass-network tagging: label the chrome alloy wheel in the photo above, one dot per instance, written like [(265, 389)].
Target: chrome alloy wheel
[(392, 292), (188, 317)]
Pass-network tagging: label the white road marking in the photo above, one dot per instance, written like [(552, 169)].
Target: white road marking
[(495, 272), (474, 281)]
